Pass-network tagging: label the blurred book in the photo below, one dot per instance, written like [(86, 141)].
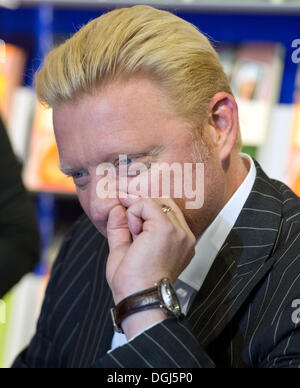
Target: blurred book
[(273, 155), (42, 172), (21, 119), (228, 56), (297, 87), (293, 173), (12, 66), (6, 305), (255, 74), (256, 82), (23, 308), (296, 127)]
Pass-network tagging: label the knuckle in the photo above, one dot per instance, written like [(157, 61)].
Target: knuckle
[(193, 250), (169, 227), (192, 253), (182, 235), (193, 239)]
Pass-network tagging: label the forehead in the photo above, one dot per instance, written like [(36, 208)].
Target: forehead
[(120, 100), (123, 115)]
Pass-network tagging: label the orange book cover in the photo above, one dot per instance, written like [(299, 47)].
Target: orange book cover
[(12, 65), (294, 156), (42, 172), (293, 171)]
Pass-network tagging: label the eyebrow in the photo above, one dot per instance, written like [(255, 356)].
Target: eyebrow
[(69, 171), (151, 151)]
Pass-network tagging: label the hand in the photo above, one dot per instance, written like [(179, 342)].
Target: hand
[(146, 245)]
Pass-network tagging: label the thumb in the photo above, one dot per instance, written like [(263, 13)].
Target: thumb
[(118, 233)]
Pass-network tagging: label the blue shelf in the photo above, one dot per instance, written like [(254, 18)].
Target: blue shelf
[(249, 6)]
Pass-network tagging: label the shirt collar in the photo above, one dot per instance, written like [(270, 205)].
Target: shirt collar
[(212, 239)]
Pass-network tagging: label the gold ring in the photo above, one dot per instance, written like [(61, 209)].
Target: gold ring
[(166, 209)]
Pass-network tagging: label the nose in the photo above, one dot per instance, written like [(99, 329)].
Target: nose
[(99, 206)]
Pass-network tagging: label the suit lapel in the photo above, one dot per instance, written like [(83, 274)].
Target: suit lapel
[(242, 262)]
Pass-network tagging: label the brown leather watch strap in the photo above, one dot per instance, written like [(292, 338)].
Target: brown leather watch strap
[(140, 301)]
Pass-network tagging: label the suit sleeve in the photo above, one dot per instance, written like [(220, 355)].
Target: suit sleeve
[(280, 358), (276, 343), (170, 344), (40, 352), (281, 340), (282, 343), (19, 239)]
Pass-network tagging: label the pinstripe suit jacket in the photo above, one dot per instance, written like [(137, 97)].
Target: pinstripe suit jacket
[(244, 315)]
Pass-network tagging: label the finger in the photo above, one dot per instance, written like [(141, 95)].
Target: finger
[(128, 199), (118, 233), (176, 213), (148, 211), (135, 224), (172, 214), (176, 216)]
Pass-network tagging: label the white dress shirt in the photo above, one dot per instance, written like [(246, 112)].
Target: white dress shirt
[(207, 248)]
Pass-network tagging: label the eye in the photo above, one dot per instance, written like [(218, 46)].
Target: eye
[(80, 179), (79, 174), (125, 162), (132, 166)]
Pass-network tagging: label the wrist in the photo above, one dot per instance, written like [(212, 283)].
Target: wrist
[(139, 322), (134, 285), (133, 289), (159, 301)]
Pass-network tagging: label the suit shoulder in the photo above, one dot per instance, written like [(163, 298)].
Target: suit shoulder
[(290, 201), (81, 229), (290, 211)]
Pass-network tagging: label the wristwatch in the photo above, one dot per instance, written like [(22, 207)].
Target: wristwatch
[(162, 295)]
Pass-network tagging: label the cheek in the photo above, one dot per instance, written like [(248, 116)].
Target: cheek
[(83, 198), (140, 185), (85, 202)]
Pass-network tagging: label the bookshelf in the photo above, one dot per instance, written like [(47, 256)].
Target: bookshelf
[(35, 25), (249, 6)]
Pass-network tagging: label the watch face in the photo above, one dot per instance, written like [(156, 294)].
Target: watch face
[(169, 297)]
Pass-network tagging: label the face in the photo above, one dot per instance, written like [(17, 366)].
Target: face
[(130, 118)]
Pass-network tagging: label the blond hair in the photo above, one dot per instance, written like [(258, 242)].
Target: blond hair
[(139, 40)]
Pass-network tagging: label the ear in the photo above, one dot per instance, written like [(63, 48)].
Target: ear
[(224, 123)]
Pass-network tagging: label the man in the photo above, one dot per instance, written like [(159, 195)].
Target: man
[(19, 239), (143, 83)]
